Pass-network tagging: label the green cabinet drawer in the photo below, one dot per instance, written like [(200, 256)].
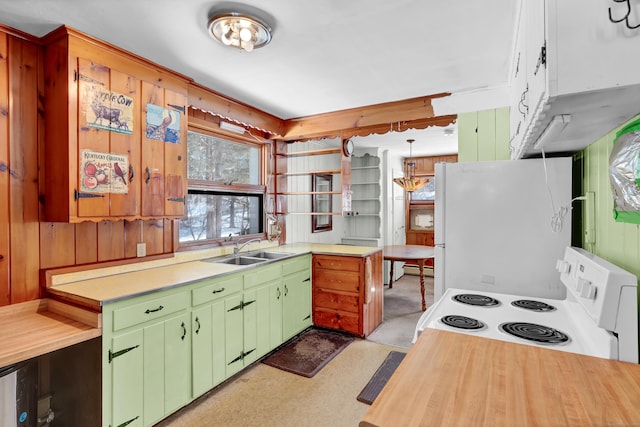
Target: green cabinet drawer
[(263, 275), (296, 264), (148, 310), (213, 289)]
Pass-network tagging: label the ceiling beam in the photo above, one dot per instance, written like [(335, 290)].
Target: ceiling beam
[(414, 113), (207, 100)]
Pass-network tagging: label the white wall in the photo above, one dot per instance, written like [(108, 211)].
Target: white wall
[(299, 225)]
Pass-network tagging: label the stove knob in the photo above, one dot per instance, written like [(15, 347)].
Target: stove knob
[(563, 266), (588, 290)]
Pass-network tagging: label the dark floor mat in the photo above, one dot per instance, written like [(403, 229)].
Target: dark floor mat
[(381, 377), (309, 352)]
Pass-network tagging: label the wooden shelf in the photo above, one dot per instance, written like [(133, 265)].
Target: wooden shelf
[(309, 213), (323, 172), (354, 168), (312, 153), (308, 193)]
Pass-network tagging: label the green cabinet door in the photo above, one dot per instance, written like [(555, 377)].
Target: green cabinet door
[(276, 298), (218, 341), (250, 326), (233, 324), (177, 368), (297, 303), (202, 350), (269, 317), (166, 367), (125, 365)]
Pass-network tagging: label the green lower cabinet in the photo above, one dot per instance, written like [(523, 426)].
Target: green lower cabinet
[(146, 362), (202, 349), (296, 310), (234, 330), (125, 369), (162, 350)]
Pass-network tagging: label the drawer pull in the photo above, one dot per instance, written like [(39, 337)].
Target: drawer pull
[(278, 292), (121, 352), (184, 331), (197, 323), (217, 291), (149, 310), (306, 318), (286, 290), (126, 423), (147, 175), (308, 279)]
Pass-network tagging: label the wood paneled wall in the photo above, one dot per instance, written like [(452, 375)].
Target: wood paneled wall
[(27, 244)]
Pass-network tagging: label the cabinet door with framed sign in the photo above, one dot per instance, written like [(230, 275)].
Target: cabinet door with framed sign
[(321, 202), (97, 124), (108, 147)]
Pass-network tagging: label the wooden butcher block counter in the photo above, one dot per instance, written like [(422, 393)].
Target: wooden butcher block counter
[(452, 379)]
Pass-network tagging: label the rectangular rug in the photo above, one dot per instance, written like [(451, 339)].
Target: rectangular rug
[(309, 352), (381, 377)]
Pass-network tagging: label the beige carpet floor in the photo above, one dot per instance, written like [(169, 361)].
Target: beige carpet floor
[(268, 397)]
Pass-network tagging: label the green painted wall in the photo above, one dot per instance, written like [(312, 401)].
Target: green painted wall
[(617, 242), (483, 135)]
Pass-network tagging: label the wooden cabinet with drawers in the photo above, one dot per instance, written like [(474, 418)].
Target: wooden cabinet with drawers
[(347, 292)]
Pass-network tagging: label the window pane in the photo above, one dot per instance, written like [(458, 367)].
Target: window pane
[(214, 159), (216, 215)]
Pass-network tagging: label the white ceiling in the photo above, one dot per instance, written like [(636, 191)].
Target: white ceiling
[(326, 55)]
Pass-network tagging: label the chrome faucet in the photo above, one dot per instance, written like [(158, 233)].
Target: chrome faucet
[(237, 248)]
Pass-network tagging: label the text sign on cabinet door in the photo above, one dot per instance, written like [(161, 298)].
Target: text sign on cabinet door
[(103, 172), (111, 111)]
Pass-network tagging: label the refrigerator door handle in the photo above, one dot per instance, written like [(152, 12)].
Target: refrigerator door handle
[(439, 245)]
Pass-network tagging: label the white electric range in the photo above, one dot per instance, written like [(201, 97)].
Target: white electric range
[(599, 316)]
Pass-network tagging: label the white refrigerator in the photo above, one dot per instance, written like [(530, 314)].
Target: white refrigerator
[(500, 226)]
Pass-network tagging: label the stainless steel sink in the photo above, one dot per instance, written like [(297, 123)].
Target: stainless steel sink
[(242, 260), (270, 255)]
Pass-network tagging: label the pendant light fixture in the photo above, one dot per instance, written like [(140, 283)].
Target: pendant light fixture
[(410, 182), (240, 31)]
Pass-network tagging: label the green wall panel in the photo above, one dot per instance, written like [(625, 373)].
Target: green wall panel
[(617, 242), (483, 135)]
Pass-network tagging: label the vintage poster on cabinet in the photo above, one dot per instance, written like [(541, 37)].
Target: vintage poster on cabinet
[(105, 109), (104, 172), (163, 124)]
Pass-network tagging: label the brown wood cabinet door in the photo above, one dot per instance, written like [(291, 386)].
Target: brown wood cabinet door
[(152, 151), (175, 156), (108, 108), (4, 175), (129, 144), (93, 200)]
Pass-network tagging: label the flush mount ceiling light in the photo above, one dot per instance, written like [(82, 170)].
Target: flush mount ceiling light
[(409, 181), (241, 31)]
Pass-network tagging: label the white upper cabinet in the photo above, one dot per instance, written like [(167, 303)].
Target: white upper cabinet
[(581, 68)]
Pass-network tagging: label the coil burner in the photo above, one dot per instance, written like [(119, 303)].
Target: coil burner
[(532, 332), (462, 322), (532, 305), (475, 299)]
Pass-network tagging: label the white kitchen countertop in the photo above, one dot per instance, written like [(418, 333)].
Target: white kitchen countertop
[(93, 288)]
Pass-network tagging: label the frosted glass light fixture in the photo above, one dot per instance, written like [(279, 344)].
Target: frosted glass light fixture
[(409, 181), (241, 31)]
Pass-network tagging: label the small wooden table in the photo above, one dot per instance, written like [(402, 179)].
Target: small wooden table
[(411, 254)]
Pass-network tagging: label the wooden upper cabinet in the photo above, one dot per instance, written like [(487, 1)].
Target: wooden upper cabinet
[(115, 133)]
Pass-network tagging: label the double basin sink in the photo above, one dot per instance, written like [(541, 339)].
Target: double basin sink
[(249, 258)]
